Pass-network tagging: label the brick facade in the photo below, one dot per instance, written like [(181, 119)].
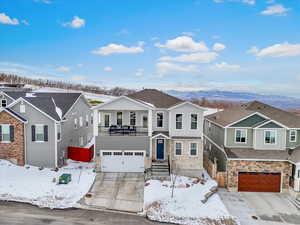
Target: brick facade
[(14, 151), (236, 166)]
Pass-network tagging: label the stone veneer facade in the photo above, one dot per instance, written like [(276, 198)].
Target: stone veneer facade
[(236, 166), (14, 151)]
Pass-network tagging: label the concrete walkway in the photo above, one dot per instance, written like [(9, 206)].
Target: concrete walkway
[(252, 208), (117, 191)]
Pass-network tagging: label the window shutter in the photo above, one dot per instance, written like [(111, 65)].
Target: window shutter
[(45, 133), (0, 133), (33, 133), (12, 133)]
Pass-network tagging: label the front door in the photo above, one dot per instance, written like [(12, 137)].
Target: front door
[(160, 145)]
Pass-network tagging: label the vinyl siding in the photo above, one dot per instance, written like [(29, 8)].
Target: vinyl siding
[(260, 141), (231, 138), (250, 121), (165, 121), (43, 153), (292, 144), (216, 133)]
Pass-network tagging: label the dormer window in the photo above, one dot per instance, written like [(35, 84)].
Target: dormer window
[(3, 102)]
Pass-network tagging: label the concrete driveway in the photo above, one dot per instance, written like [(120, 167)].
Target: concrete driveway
[(118, 191), (253, 208)]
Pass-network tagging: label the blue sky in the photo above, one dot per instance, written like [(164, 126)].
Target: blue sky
[(236, 45)]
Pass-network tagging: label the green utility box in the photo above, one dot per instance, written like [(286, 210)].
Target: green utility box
[(65, 178)]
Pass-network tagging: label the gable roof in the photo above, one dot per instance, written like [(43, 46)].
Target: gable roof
[(155, 97), (14, 114), (286, 118), (47, 102), (229, 116)]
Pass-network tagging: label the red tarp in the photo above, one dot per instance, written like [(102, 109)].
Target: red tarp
[(81, 154)]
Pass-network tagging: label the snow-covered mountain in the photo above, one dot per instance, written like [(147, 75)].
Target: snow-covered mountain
[(275, 100)]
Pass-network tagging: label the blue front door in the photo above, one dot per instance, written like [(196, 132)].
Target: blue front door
[(160, 148)]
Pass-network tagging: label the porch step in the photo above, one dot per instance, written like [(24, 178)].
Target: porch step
[(295, 202), (160, 170)]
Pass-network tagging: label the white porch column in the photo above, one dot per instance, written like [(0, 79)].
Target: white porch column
[(149, 122), (296, 178), (96, 122)]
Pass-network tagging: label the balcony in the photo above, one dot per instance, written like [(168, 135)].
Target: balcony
[(124, 130)]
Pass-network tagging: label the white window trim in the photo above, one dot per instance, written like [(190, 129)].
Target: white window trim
[(275, 131), (162, 119), (80, 121), (175, 148), (296, 133), (246, 132), (43, 133), (197, 121), (197, 149), (75, 123), (130, 118), (6, 124), (22, 106), (109, 121), (181, 121)]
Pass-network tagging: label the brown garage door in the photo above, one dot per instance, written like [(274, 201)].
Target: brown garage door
[(259, 182)]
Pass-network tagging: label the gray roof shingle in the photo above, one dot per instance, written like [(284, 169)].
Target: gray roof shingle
[(155, 97)]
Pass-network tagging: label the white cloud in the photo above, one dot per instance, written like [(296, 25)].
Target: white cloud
[(183, 44), (78, 78), (199, 57), (223, 66), (278, 50), (4, 19), (249, 2), (119, 49), (63, 68), (44, 1), (139, 72), (277, 10), (219, 47), (188, 33), (107, 68), (76, 23), (164, 68)]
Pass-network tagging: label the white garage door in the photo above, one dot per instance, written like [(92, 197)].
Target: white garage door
[(122, 161)]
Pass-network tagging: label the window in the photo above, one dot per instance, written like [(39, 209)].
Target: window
[(194, 121), (106, 120), (132, 118), (119, 118), (92, 119), (58, 127), (4, 102), (22, 108), (81, 141), (87, 120), (240, 136), (106, 153), (159, 119), (293, 135), (80, 121), (193, 149), (178, 148), (75, 123), (178, 121), (209, 125), (139, 153), (145, 121), (5, 136), (39, 133), (128, 153), (118, 153), (270, 137)]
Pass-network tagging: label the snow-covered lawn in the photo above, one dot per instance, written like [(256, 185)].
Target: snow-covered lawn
[(185, 207), (39, 187)]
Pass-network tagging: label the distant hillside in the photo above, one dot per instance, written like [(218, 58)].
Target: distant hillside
[(275, 100)]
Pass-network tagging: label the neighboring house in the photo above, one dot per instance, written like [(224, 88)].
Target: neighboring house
[(37, 128), (149, 126), (255, 147)]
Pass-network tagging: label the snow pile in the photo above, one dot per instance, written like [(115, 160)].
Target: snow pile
[(185, 207), (40, 187), (210, 111)]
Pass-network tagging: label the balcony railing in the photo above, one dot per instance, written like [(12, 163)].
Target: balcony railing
[(124, 130)]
